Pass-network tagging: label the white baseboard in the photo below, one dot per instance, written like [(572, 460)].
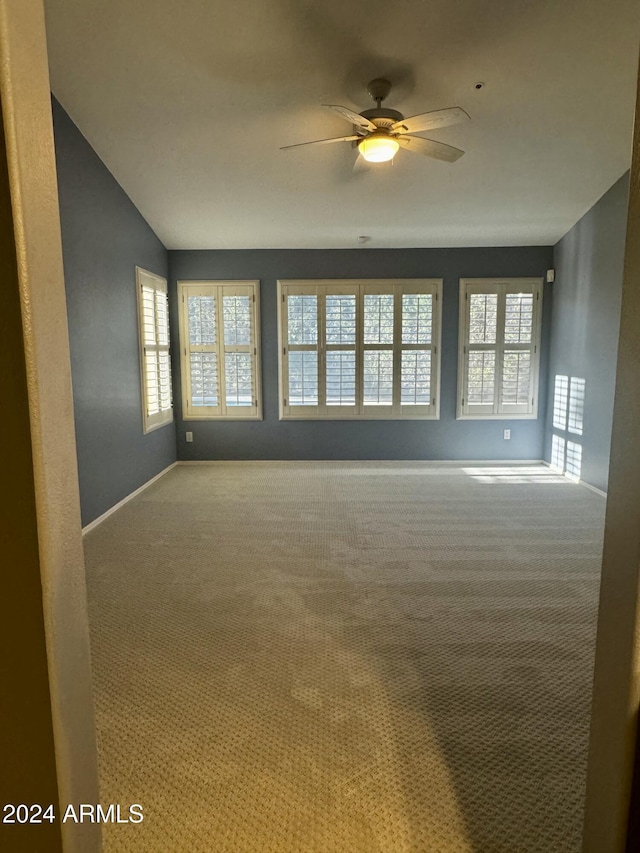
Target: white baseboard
[(593, 488), (504, 462), (121, 503), (578, 482), (452, 462)]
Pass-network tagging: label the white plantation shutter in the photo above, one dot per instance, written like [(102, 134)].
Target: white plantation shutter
[(418, 349), (500, 342), (153, 324), (416, 377), (378, 336), (359, 349), (219, 349), (302, 346), (516, 387), (339, 373), (481, 350)]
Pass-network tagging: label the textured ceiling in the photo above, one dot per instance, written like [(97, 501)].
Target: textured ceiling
[(188, 101)]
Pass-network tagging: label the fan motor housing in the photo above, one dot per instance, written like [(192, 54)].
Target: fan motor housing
[(382, 113)]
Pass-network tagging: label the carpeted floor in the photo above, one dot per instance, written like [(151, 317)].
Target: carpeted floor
[(346, 657)]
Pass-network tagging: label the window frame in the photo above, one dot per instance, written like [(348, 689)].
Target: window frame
[(501, 287), (223, 412), (360, 287), (159, 285)]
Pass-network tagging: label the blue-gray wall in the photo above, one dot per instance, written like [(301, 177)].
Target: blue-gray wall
[(104, 237), (446, 438), (585, 323)]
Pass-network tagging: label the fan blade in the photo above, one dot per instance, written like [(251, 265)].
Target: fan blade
[(427, 121), (351, 116), (321, 142), (439, 150)]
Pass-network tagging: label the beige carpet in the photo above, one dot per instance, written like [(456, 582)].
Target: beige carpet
[(346, 657)]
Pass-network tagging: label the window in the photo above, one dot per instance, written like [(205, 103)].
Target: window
[(499, 347), (359, 349), (219, 349), (155, 367)]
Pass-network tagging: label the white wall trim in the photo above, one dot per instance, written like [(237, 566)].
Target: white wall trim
[(115, 507), (25, 90), (453, 462), (593, 488), (579, 482)]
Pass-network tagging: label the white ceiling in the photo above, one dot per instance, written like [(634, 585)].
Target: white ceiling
[(188, 101)]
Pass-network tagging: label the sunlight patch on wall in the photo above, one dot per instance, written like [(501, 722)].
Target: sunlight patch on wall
[(573, 465), (558, 452), (560, 399), (568, 417), (575, 419)]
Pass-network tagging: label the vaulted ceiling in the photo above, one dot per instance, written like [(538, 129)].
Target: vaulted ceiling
[(187, 102)]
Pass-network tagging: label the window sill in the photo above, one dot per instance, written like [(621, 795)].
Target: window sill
[(367, 418), (497, 417), (152, 427), (188, 418)]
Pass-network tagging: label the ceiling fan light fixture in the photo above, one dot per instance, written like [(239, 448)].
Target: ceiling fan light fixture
[(378, 148)]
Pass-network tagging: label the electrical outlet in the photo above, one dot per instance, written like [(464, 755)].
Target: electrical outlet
[(189, 436), (507, 434)]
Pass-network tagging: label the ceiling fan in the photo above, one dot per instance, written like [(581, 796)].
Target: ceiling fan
[(380, 132)]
